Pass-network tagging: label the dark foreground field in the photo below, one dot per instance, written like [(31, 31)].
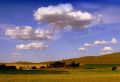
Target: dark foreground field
[(32, 71), (75, 75)]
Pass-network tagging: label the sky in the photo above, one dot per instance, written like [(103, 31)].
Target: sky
[(48, 30)]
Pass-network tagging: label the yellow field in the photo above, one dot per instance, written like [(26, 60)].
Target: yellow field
[(76, 76), (26, 65)]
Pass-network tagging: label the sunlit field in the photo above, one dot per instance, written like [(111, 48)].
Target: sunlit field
[(73, 76)]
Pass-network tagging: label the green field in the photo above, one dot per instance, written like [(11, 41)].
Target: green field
[(32, 71), (94, 66), (75, 75)]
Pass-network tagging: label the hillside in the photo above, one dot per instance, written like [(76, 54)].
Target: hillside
[(113, 58)]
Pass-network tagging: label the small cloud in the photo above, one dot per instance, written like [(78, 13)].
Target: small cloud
[(114, 41), (103, 42), (82, 49), (107, 49), (88, 45), (31, 46), (100, 42)]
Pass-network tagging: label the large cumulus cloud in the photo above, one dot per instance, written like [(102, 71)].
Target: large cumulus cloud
[(63, 15)]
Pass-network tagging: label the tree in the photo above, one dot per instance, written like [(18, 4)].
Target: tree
[(42, 67), (20, 68), (78, 64), (11, 68), (34, 67), (4, 67), (57, 64), (73, 64)]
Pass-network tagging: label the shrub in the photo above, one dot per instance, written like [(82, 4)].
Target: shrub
[(57, 64), (73, 64), (114, 68), (42, 67), (34, 67)]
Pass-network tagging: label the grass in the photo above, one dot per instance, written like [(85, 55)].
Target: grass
[(31, 71), (76, 75), (100, 65)]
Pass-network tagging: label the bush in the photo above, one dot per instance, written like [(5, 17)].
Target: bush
[(114, 68), (73, 64), (34, 67), (57, 64), (42, 67)]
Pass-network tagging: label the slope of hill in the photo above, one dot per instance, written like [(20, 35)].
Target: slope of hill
[(113, 58)]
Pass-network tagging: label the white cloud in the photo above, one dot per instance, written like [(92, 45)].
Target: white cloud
[(114, 41), (28, 33), (103, 42), (31, 46), (63, 15), (107, 48), (82, 49), (100, 42), (88, 45)]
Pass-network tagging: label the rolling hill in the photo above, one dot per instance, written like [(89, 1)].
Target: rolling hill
[(113, 58)]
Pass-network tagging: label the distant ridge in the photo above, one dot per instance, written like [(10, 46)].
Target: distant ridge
[(23, 62)]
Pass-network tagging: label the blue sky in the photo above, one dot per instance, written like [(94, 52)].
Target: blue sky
[(96, 35)]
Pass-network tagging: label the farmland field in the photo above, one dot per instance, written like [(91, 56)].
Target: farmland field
[(74, 76)]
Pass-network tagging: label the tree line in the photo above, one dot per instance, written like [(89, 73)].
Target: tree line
[(56, 64), (59, 64)]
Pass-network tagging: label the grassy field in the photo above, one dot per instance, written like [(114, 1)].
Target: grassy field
[(75, 75), (100, 65), (32, 71)]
